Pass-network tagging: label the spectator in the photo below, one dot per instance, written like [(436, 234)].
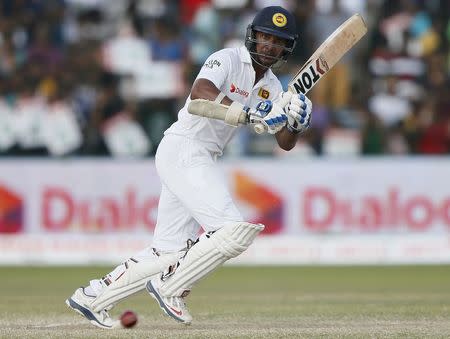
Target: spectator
[(372, 141), (389, 107), (44, 43), (165, 42)]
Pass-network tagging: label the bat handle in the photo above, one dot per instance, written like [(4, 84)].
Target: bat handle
[(259, 128)]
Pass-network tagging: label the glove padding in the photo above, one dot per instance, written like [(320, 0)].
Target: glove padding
[(270, 115), (298, 112)]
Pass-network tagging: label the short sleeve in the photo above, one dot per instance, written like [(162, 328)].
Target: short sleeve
[(216, 68)]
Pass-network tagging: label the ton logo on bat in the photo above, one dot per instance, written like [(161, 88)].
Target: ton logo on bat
[(311, 75)]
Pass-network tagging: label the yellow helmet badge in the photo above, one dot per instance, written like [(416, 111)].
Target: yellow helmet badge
[(279, 20)]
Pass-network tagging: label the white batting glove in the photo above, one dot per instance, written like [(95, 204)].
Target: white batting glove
[(270, 115), (284, 99), (298, 113)]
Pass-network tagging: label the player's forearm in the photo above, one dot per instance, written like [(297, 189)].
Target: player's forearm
[(205, 89)]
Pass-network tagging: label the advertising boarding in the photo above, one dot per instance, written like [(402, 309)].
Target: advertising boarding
[(322, 211)]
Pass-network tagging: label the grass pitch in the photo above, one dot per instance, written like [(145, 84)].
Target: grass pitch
[(245, 302)]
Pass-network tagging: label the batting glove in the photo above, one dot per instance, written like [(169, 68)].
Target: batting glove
[(298, 113), (270, 115)]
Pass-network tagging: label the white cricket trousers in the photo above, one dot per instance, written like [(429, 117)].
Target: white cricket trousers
[(194, 193)]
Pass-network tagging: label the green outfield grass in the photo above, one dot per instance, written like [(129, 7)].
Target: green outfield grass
[(245, 302)]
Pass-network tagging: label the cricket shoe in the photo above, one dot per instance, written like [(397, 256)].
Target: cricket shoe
[(80, 302), (174, 307)]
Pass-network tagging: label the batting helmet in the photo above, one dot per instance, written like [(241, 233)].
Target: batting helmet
[(273, 20)]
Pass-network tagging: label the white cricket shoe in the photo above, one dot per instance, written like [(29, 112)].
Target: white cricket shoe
[(174, 307), (81, 302)]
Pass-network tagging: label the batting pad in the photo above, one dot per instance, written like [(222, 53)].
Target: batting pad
[(208, 253), (133, 278)]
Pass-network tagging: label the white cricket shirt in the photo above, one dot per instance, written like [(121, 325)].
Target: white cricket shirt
[(231, 70)]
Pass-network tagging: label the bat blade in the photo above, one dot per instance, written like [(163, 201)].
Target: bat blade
[(328, 54)]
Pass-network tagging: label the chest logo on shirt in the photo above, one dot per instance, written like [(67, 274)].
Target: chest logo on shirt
[(263, 93), (235, 89)]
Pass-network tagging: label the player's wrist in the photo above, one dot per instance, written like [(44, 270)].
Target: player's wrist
[(292, 129)]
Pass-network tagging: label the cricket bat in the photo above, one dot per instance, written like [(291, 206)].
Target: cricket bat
[(318, 65)]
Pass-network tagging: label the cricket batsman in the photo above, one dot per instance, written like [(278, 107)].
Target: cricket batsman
[(194, 194)]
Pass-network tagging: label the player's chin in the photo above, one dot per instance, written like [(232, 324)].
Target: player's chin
[(267, 60)]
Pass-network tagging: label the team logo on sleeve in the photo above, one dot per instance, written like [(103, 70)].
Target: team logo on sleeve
[(263, 93), (279, 20), (212, 63)]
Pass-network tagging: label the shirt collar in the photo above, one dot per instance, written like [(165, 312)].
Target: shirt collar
[(245, 55)]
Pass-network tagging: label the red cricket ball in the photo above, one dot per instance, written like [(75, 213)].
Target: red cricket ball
[(128, 319)]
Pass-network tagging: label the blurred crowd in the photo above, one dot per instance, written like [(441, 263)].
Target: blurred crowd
[(107, 77)]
